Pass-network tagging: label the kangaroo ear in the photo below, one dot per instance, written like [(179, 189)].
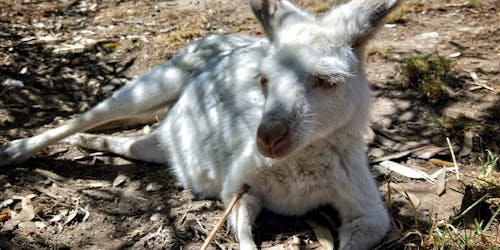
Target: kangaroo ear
[(272, 14), (360, 18)]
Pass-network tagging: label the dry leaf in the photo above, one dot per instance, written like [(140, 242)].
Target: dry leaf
[(40, 224), (146, 129), (12, 83), (441, 182), (112, 45), (328, 218), (58, 217), (119, 180), (295, 243), (27, 212), (441, 163), (323, 235), (86, 213), (292, 244), (10, 225), (428, 152), (27, 226), (406, 171), (474, 77), (72, 215), (6, 203), (5, 214), (49, 174), (153, 187), (98, 184)]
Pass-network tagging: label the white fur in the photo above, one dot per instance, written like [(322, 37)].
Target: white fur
[(299, 97)]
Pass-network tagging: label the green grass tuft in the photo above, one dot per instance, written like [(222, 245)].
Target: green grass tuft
[(431, 75)]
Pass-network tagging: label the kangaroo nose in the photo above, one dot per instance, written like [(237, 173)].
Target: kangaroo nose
[(268, 135)]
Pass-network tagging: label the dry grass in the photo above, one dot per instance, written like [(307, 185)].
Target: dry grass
[(456, 233), (399, 15), (432, 75), (457, 126)]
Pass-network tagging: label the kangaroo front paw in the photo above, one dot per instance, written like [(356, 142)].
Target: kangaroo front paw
[(248, 246), (363, 233)]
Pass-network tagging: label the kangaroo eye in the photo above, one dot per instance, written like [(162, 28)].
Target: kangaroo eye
[(324, 82), (263, 80)]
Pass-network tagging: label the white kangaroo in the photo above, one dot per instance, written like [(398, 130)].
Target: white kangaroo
[(282, 114)]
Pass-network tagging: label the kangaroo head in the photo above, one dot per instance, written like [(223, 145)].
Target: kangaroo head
[(312, 76)]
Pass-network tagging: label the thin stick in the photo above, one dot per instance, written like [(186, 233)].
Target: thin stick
[(414, 208), (236, 197), (453, 157), (389, 202)]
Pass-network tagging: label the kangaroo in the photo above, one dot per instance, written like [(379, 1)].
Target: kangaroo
[(283, 114)]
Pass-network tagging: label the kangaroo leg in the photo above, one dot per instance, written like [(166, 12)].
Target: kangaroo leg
[(147, 94), (364, 218), (143, 147), (146, 118), (242, 219)]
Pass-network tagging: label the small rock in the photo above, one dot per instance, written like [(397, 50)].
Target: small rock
[(99, 194), (10, 225), (6, 203), (108, 88), (153, 187), (40, 224), (429, 35), (120, 179), (24, 70), (155, 217), (12, 83), (28, 226)]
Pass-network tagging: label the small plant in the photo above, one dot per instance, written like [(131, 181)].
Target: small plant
[(485, 192), (472, 4), (400, 15), (444, 235), (431, 75), (184, 34), (321, 8), (378, 53), (455, 233), (490, 163), (455, 127), (489, 181)]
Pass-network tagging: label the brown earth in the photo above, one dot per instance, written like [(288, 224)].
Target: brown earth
[(58, 58)]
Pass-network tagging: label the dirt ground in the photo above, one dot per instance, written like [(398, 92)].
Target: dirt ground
[(58, 58)]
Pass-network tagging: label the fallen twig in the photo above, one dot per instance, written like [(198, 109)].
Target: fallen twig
[(51, 175), (398, 155), (47, 192), (244, 189), (414, 208), (81, 157), (453, 157), (294, 244), (389, 201)]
